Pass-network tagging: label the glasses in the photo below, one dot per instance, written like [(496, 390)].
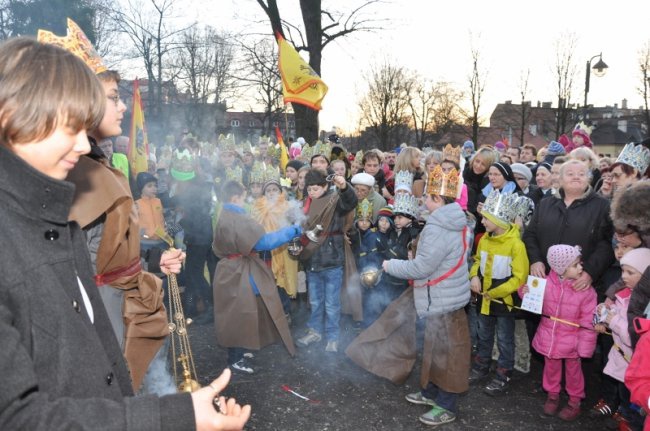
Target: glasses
[(115, 99)]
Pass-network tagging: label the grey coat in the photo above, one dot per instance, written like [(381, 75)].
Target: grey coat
[(59, 369), (440, 247)]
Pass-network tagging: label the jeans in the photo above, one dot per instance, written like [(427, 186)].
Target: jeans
[(325, 300), (446, 400), (505, 331)]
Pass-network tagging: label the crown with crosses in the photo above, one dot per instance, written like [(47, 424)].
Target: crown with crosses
[(636, 156), (441, 184), (322, 149), (77, 43)]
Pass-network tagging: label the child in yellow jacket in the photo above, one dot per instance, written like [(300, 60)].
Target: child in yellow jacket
[(500, 267)]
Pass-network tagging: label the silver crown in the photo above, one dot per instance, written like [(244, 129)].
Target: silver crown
[(503, 206), (524, 208), (636, 156), (406, 204), (404, 181)]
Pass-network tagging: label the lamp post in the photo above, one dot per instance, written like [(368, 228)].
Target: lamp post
[(600, 69)]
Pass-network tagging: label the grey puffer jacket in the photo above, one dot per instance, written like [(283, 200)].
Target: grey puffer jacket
[(440, 248)]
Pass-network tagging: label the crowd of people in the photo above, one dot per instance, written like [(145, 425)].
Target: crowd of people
[(449, 237)]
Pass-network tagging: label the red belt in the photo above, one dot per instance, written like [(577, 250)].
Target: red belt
[(131, 269), (238, 255)]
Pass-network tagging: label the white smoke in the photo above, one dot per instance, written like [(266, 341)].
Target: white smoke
[(294, 213)]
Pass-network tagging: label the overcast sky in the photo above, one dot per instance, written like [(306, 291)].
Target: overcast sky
[(434, 38)]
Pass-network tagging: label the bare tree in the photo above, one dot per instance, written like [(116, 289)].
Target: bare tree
[(564, 72), (318, 34), (434, 109), (526, 109), (385, 107), (260, 75), (476, 88), (644, 88), (148, 24)]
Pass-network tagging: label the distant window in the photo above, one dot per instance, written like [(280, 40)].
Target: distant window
[(292, 124), (251, 123), (276, 124), (234, 123)]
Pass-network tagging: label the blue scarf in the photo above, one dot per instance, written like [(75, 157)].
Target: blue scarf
[(509, 187)]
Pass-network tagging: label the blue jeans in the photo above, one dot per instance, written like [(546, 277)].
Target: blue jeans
[(505, 330), (325, 300)]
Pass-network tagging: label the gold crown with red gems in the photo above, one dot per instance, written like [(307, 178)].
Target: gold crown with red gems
[(77, 43)]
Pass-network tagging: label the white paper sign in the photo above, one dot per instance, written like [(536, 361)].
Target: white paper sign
[(534, 299)]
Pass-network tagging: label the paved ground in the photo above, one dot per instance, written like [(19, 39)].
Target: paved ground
[(349, 398)]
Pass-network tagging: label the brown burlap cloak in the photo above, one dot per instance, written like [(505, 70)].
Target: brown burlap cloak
[(104, 190), (242, 319), (388, 347)]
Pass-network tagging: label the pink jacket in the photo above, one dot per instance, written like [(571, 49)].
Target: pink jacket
[(558, 340), (616, 363)]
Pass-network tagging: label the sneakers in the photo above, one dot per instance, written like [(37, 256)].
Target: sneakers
[(418, 398), (476, 374), (437, 416), (570, 412), (624, 425), (600, 409), (613, 422), (551, 405), (498, 386), (332, 346), (242, 367), (311, 337)]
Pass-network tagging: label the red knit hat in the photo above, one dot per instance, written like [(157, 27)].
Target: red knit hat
[(561, 256), (385, 212), (584, 135)]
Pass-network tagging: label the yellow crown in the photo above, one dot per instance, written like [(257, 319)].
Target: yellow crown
[(227, 144), (358, 157), (234, 174), (364, 210), (452, 154), (442, 184), (306, 153), (77, 43), (257, 173)]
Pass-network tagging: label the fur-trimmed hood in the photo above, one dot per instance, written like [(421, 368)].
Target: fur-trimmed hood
[(631, 207)]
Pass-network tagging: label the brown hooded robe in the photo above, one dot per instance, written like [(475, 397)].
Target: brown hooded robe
[(242, 319)]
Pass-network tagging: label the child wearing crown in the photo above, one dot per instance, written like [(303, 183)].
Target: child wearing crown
[(365, 245), (439, 294), (500, 267)]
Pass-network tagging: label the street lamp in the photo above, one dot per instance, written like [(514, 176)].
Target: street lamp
[(600, 69)]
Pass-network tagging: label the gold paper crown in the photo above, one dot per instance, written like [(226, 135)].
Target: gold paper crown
[(77, 43), (274, 152), (322, 149), (452, 154), (404, 181), (246, 147), (234, 174), (226, 144), (306, 153), (442, 184), (257, 173), (636, 156), (358, 157), (364, 210), (272, 173)]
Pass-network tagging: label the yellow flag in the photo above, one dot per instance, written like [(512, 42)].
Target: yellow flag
[(300, 84), (138, 143), (284, 154)]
